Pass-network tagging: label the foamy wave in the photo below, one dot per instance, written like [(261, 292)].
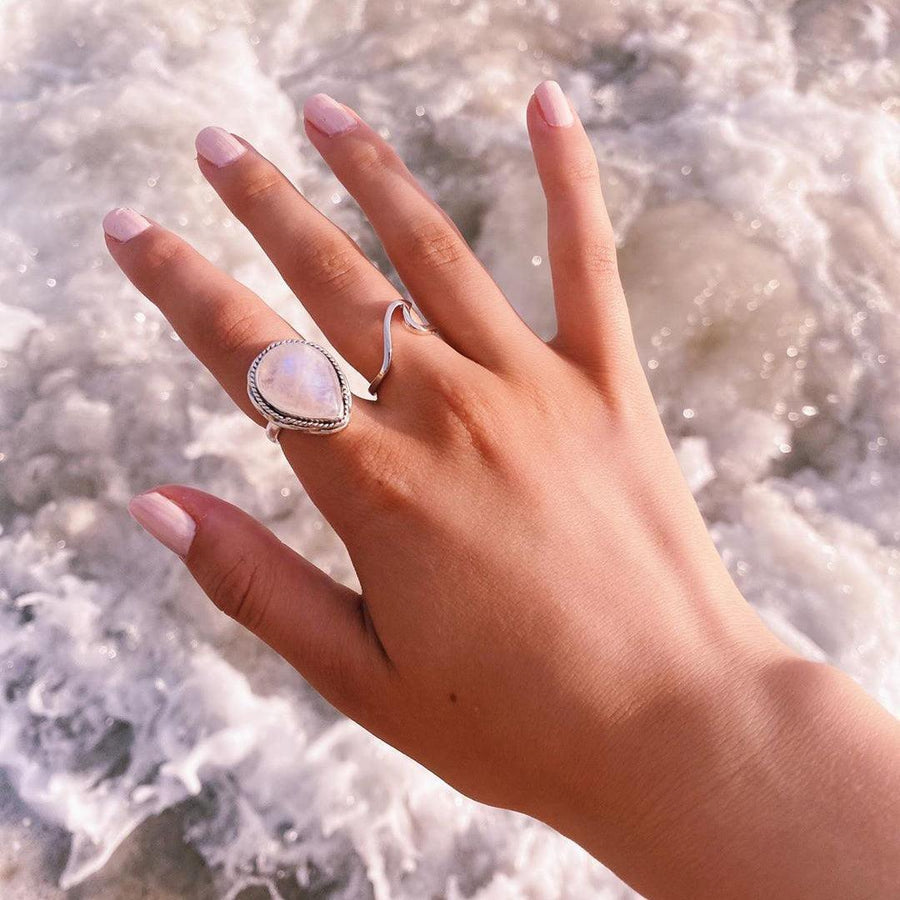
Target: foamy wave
[(749, 153)]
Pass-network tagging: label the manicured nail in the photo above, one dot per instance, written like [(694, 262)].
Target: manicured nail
[(219, 147), (123, 224), (553, 104), (164, 520), (328, 115)]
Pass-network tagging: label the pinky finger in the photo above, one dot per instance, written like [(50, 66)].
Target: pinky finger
[(592, 317)]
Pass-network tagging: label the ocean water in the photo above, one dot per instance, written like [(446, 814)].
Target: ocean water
[(751, 157)]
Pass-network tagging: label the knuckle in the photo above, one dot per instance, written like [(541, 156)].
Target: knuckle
[(330, 267), (471, 415), (257, 187), (598, 259), (383, 473), (592, 256), (160, 259), (239, 591), (233, 332), (371, 158), (435, 244)]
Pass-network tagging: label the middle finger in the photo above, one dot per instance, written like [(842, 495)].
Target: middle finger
[(437, 266), (339, 287)]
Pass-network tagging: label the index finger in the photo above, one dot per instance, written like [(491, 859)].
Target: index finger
[(224, 324)]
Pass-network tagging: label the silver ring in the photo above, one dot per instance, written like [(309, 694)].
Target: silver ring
[(413, 320), (298, 385)]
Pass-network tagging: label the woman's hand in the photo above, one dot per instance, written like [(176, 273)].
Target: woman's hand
[(544, 621)]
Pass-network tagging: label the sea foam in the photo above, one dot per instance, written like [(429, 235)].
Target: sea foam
[(750, 161)]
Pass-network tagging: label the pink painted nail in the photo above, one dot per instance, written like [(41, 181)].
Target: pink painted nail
[(164, 520), (123, 224), (553, 104), (328, 115), (219, 147)]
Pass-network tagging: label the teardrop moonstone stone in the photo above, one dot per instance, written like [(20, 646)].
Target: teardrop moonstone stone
[(299, 380)]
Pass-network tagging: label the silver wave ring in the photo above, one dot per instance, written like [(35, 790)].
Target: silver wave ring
[(413, 320)]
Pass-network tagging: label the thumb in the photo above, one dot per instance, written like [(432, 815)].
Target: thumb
[(317, 625)]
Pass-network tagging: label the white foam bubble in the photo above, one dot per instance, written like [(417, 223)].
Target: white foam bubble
[(752, 178)]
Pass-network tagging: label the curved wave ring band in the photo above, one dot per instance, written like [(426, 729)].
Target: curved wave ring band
[(298, 385), (413, 320)]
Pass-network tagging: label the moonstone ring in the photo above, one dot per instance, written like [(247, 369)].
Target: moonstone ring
[(296, 384)]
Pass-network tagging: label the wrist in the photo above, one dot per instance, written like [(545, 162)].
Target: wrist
[(667, 739), (768, 776)]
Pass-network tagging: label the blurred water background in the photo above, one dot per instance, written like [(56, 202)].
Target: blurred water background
[(750, 154)]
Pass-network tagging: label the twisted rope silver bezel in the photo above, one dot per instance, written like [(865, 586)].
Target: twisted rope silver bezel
[(299, 423)]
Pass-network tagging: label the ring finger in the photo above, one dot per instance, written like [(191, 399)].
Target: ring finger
[(339, 287)]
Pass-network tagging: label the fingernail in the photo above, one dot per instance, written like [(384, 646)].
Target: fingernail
[(328, 115), (553, 104), (164, 520), (123, 224), (218, 146)]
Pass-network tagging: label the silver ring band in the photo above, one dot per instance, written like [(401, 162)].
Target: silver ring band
[(413, 320)]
